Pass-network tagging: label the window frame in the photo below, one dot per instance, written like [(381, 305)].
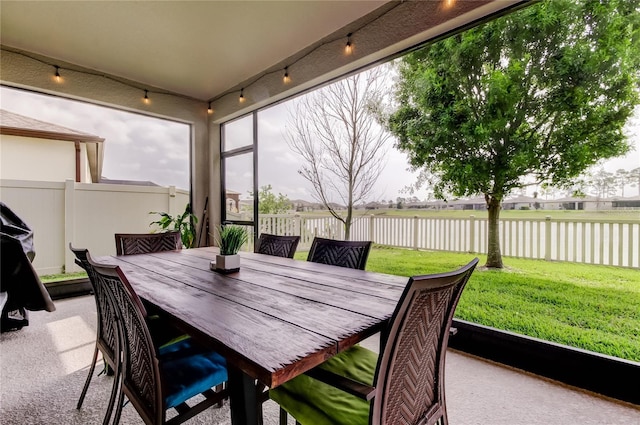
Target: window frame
[(224, 155)]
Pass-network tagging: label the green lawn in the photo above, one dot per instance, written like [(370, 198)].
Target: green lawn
[(596, 308), (60, 277)]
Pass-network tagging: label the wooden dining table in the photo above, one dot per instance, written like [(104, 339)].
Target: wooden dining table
[(273, 320)]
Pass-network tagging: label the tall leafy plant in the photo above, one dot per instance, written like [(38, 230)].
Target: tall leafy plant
[(231, 239), (185, 223)]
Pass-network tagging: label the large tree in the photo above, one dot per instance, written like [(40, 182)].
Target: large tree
[(543, 92), (336, 133)]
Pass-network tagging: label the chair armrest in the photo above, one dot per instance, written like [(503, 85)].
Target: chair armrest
[(350, 386)]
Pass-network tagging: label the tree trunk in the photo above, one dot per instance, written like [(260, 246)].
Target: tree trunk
[(347, 224), (494, 256)]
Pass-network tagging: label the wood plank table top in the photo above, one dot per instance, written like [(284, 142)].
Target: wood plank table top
[(274, 319)]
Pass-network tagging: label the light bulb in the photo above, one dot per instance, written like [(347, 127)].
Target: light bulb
[(241, 95), (448, 4), (286, 79), (146, 97), (58, 77), (348, 49), (209, 110)]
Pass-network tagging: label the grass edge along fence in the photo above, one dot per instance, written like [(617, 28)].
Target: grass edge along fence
[(591, 307), (614, 242)]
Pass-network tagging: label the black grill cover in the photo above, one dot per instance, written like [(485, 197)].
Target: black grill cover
[(18, 278)]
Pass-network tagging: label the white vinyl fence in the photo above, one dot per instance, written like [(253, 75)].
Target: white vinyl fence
[(609, 242), (87, 215)]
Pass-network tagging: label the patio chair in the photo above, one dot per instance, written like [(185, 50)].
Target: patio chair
[(162, 333), (144, 243), (279, 246), (154, 380), (402, 385), (350, 254), (106, 336)]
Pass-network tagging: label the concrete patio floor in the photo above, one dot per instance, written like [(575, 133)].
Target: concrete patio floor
[(43, 367)]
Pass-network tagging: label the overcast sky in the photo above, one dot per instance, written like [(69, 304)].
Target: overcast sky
[(279, 165), (138, 147)]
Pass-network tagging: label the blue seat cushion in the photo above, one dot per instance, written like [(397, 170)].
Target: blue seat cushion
[(179, 348), (312, 402), (162, 332), (188, 370)]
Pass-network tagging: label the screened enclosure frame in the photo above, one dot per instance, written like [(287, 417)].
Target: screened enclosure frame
[(224, 156)]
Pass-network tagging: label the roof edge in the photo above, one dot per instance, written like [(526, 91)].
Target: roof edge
[(40, 134)]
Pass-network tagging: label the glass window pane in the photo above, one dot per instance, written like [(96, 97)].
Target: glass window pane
[(239, 187), (238, 134), (279, 165)]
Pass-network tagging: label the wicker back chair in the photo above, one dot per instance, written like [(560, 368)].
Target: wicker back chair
[(144, 243), (106, 338), (154, 383), (350, 254), (279, 246), (405, 384)]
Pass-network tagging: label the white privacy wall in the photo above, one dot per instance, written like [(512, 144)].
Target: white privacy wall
[(87, 215)]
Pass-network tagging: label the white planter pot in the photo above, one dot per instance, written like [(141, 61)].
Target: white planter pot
[(228, 263)]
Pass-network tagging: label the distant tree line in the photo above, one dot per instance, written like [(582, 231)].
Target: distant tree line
[(604, 184)]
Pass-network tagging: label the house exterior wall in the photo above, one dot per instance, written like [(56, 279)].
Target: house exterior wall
[(28, 158)]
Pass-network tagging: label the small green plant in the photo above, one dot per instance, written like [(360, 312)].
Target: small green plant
[(184, 223), (231, 239)]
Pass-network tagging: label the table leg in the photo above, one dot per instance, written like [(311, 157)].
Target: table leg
[(243, 398)]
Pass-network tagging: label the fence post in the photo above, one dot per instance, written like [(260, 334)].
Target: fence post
[(472, 233), (172, 202), (69, 224), (298, 230), (372, 227), (415, 232), (547, 238)]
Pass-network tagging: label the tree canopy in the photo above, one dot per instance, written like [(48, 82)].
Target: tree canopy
[(270, 203), (542, 92)]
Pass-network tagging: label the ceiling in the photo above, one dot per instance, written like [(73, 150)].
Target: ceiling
[(196, 48)]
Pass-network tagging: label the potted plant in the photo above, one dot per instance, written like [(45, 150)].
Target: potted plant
[(230, 241), (185, 223)]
